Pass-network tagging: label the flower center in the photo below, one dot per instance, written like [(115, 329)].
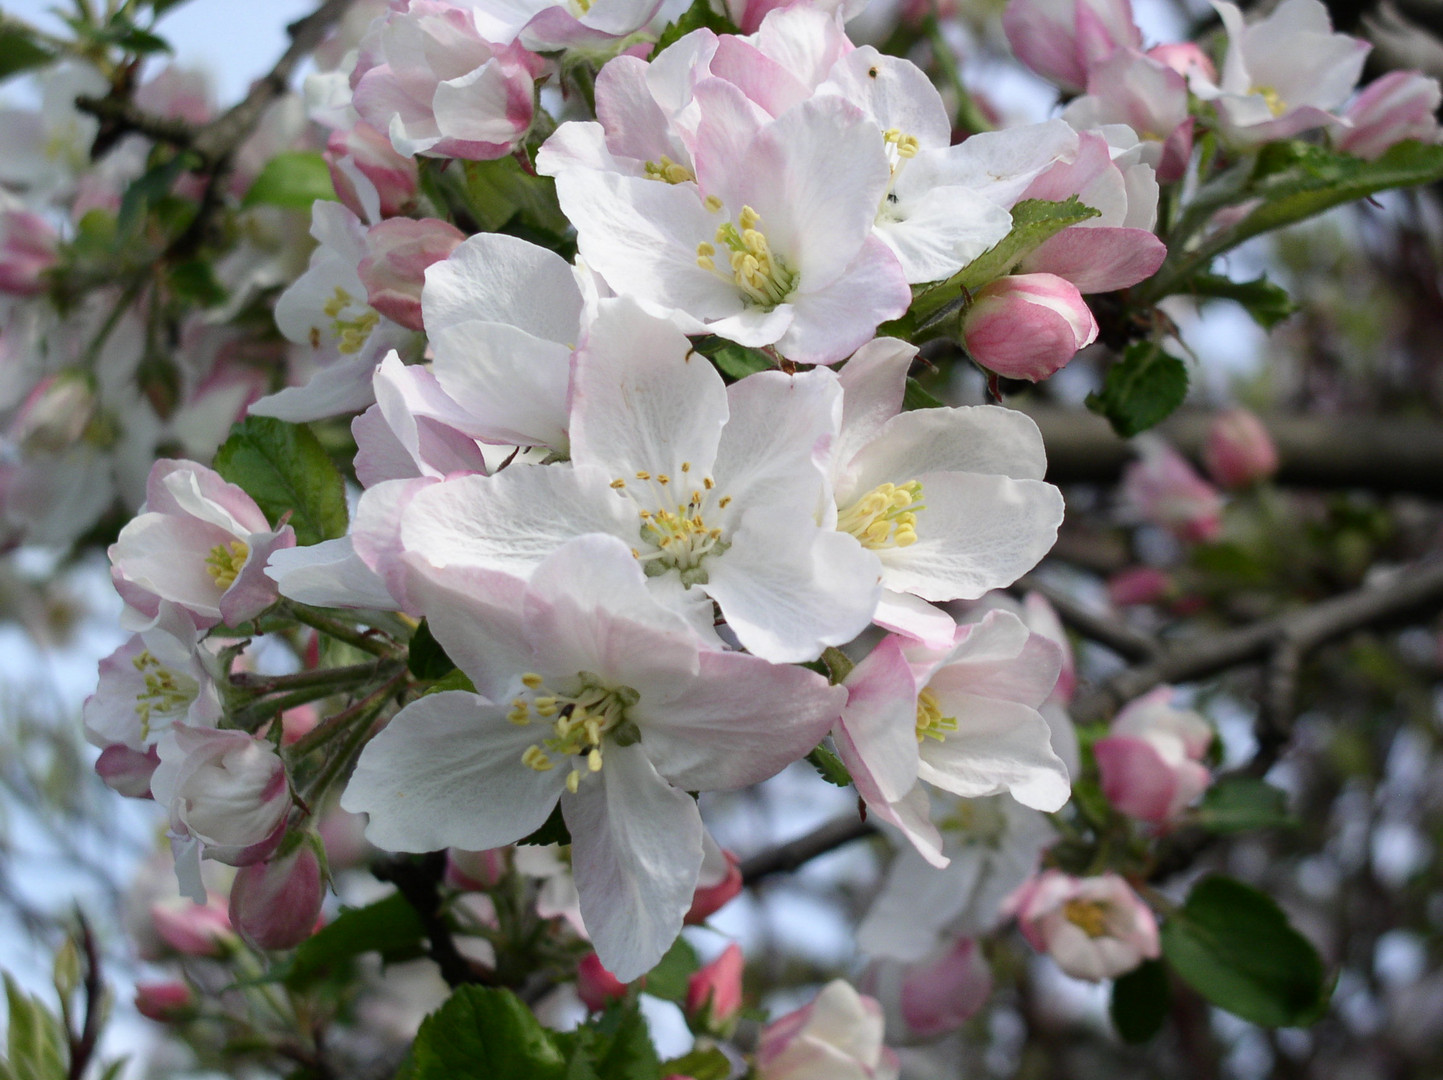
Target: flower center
[(351, 334), (976, 822), (764, 279), (885, 517), (166, 694), (675, 533), (579, 722), (1088, 915), (931, 724), (1276, 105), (668, 171), (224, 564)]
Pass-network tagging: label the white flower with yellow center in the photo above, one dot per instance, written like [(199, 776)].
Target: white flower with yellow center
[(605, 700), (714, 490)]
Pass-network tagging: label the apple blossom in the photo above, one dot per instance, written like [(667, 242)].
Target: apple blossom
[(369, 151), (398, 251), (1162, 488), (719, 883), (164, 1002), (125, 771), (275, 904), (1149, 96), (549, 25), (595, 986), (838, 1035), (1094, 928), (931, 997), (194, 929), (200, 543), (1238, 450), (1062, 39), (1151, 761), (616, 710), (1400, 105), (1027, 326), (28, 247)]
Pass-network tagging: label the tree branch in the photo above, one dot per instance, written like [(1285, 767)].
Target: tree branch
[(1116, 635), (418, 880), (790, 856)]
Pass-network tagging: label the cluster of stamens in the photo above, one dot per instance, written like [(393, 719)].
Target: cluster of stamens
[(224, 563), (900, 146), (885, 517), (579, 722), (163, 693), (931, 724), (668, 171), (351, 334), (676, 531), (763, 277), (1276, 105), (1090, 916)]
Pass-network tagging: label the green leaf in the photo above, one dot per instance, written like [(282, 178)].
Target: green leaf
[(36, 1042), (917, 396), (293, 180), (390, 927), (708, 1064), (456, 679), (1235, 803), (829, 766), (1140, 1001), (19, 51), (1141, 389), (1034, 221), (497, 191), (195, 280), (624, 1050), (552, 831), (148, 190), (1235, 947), (701, 15), (426, 658), (738, 361), (839, 665), (485, 1034), (284, 469), (668, 980), (1267, 303)]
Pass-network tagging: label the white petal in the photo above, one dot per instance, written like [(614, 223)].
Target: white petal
[(492, 277), (998, 746)]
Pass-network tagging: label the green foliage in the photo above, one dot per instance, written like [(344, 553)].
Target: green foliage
[(195, 282), (553, 831), (1235, 947), (917, 396), (427, 659), (285, 470), (668, 980), (829, 766), (293, 180), (496, 192), (708, 1064), (616, 1047), (1236, 803), (735, 361), (1140, 1001), (701, 15), (484, 1034), (37, 1047), (455, 679), (1267, 303), (19, 51), (390, 927), (1141, 389)]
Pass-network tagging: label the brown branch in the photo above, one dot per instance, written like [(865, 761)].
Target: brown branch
[(82, 1048), (1378, 453), (790, 856), (419, 881), (1116, 635)]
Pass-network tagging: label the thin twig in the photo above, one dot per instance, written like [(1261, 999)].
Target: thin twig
[(419, 880), (83, 1048), (1116, 635), (794, 854)]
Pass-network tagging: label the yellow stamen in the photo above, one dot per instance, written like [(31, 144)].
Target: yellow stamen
[(1089, 915), (225, 565)]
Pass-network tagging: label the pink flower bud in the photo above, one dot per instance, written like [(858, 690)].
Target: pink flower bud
[(27, 249), (1186, 59), (929, 998), (1150, 764), (1138, 585), (54, 414), (1062, 39), (714, 992), (393, 270), (1164, 489), (711, 898), (163, 1001), (476, 871), (595, 986), (1401, 105), (276, 904), (1095, 928), (1238, 450), (193, 929), (839, 1036), (1026, 326), (127, 771), (395, 178)]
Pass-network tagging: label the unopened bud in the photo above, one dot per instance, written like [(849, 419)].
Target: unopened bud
[(398, 250), (596, 986), (1027, 326), (163, 1001), (1238, 451), (275, 904), (714, 992)]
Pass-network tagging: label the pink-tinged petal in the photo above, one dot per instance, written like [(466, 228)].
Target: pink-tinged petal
[(493, 277), (490, 106), (643, 400), (635, 125), (914, 618), (328, 574), (447, 772), (513, 520), (779, 429), (379, 453), (252, 591), (831, 321), (1099, 259), (376, 532), (772, 85), (977, 533), (728, 121), (1000, 657), (877, 734), (1135, 778), (513, 385), (334, 390), (165, 557), (805, 40), (636, 851), (789, 589), (426, 420), (741, 721), (478, 617), (999, 746), (874, 381)]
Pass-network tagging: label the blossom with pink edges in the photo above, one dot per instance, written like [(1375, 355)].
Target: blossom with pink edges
[(1094, 928), (1238, 450), (1027, 326), (1061, 40), (276, 904), (1400, 105), (1163, 489), (837, 1035), (714, 992), (929, 998), (1151, 761), (398, 251)]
